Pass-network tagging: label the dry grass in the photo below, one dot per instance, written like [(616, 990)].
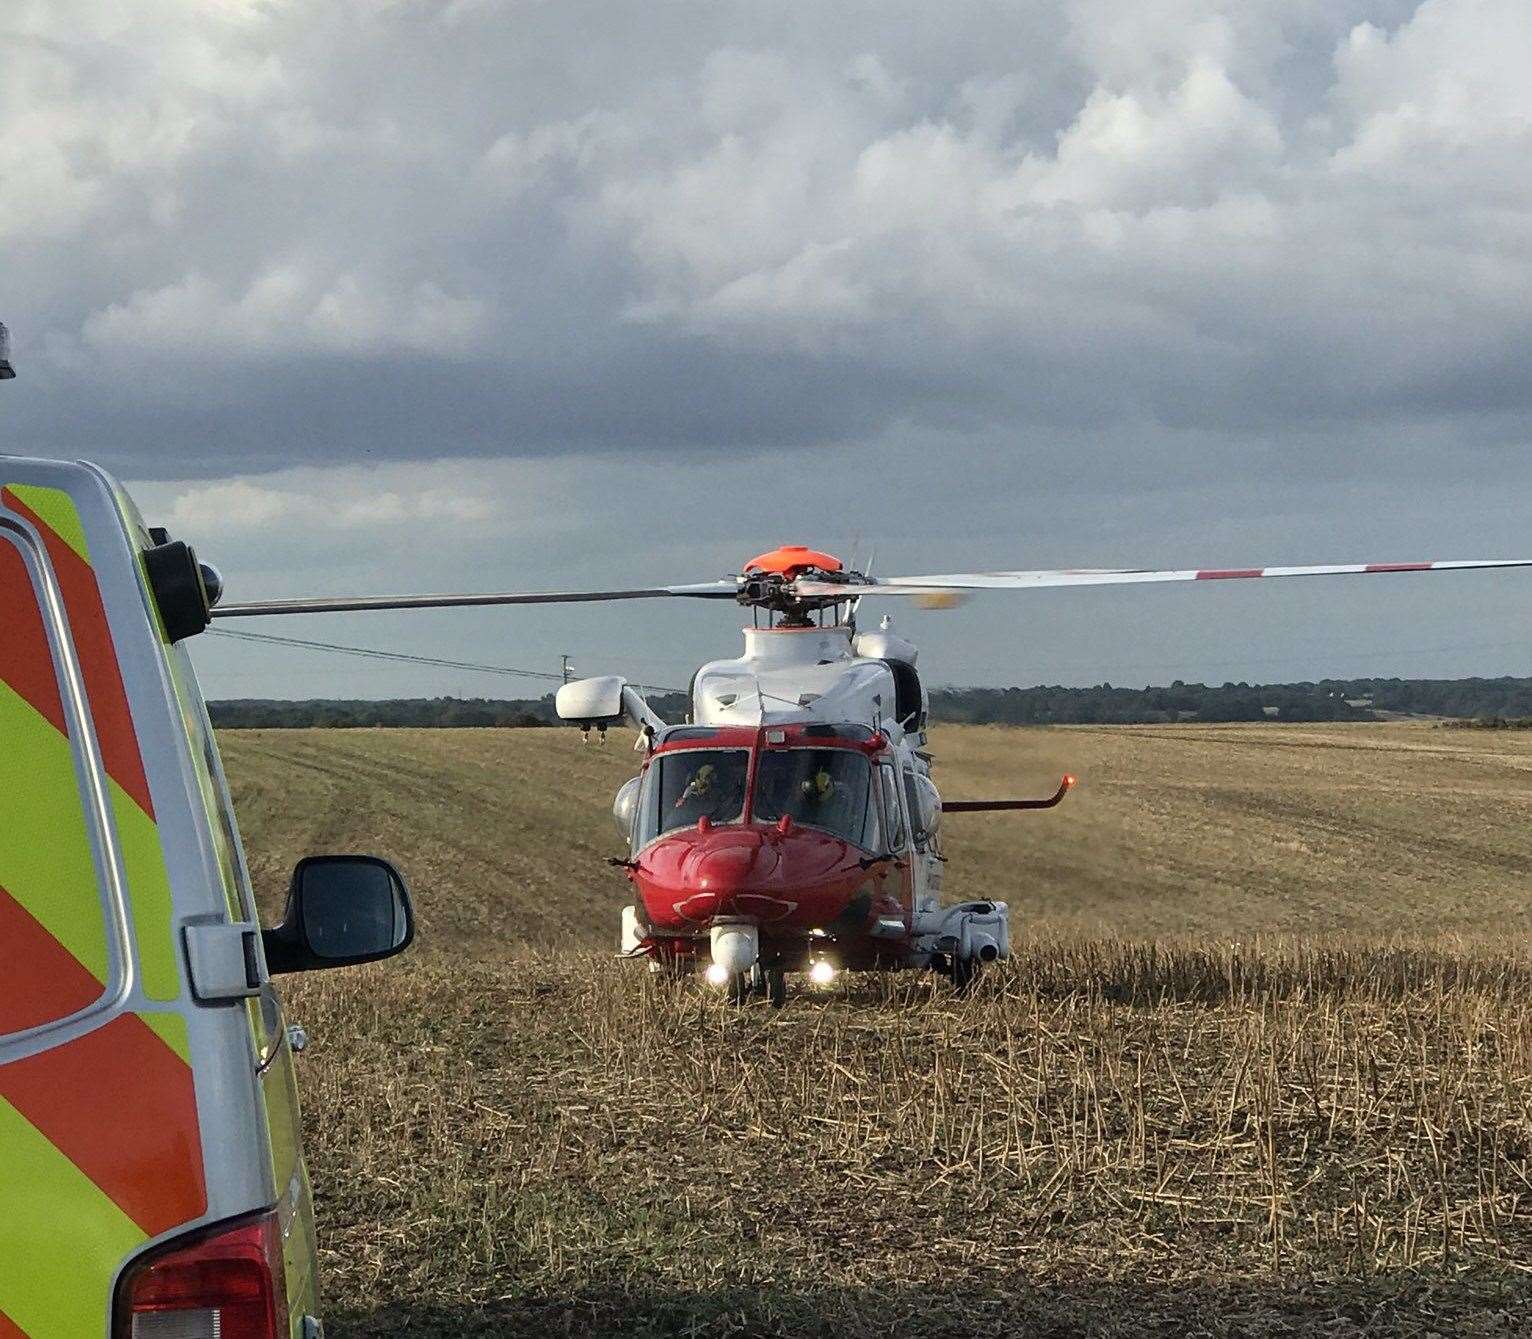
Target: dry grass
[(1360, 830), (1302, 1133)]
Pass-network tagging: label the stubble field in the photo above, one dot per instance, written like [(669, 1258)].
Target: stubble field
[(1262, 1063)]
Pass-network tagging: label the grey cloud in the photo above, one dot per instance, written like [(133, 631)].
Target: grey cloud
[(257, 234)]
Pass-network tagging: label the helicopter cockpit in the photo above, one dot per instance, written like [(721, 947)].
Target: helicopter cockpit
[(825, 788), (693, 784), (819, 778)]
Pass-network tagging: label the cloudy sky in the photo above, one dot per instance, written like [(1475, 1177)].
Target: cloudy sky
[(370, 295)]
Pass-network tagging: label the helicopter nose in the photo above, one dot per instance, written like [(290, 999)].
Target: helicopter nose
[(726, 866), (764, 873)]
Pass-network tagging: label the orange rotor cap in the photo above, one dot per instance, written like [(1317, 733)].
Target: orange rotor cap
[(792, 559)]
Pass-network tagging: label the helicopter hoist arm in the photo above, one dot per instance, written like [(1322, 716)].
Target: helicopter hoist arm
[(996, 806)]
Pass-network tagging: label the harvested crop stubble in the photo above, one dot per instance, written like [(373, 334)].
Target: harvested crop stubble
[(1109, 1138)]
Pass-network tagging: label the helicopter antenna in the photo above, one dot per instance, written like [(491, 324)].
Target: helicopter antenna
[(872, 557)]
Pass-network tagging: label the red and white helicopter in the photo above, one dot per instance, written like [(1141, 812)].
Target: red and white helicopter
[(790, 824)]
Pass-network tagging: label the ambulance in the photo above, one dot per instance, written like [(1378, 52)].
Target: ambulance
[(152, 1182)]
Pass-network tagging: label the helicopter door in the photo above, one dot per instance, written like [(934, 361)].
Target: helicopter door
[(926, 864), (897, 828)]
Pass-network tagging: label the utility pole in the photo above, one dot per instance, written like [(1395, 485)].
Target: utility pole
[(564, 667)]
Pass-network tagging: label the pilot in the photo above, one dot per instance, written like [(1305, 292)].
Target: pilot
[(711, 794), (818, 789), (822, 800)]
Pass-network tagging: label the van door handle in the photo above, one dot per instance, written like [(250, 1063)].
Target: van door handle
[(221, 959)]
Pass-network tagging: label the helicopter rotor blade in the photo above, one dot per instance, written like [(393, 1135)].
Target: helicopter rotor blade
[(706, 590), (1053, 577)]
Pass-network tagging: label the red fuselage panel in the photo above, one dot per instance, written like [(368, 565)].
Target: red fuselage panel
[(786, 882)]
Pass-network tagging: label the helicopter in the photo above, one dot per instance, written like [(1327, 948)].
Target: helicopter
[(790, 824)]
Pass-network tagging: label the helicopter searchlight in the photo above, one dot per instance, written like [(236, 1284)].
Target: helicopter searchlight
[(604, 701)]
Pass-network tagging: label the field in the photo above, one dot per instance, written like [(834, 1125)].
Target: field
[(1262, 1063)]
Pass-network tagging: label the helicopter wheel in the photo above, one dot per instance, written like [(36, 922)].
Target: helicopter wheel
[(742, 986), (964, 971)]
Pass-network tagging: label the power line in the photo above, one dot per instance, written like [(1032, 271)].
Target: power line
[(373, 653), (548, 676)]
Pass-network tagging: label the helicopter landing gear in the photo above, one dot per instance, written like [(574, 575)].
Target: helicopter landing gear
[(964, 972), (759, 982)]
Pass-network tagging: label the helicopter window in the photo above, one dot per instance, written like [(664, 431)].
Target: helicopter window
[(820, 788), (907, 696), (837, 730), (691, 784)]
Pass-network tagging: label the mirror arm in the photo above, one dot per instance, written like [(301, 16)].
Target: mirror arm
[(282, 954)]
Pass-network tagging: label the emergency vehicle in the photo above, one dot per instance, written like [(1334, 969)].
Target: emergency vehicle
[(152, 1182)]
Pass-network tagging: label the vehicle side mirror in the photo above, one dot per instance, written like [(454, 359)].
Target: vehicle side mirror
[(341, 910)]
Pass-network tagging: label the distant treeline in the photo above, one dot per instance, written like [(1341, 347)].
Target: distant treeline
[(1325, 700), (1489, 701)]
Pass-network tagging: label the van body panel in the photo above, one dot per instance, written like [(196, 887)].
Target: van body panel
[(129, 1112), (295, 1206)]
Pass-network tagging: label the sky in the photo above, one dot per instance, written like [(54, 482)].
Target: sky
[(403, 295)]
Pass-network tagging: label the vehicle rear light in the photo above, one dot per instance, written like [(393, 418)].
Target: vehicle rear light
[(224, 1284)]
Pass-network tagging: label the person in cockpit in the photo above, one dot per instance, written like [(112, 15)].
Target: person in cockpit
[(714, 791)]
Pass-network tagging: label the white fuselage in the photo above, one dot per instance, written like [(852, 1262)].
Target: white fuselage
[(831, 674), (795, 674)]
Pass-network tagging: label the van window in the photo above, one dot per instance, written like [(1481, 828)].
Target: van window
[(54, 955)]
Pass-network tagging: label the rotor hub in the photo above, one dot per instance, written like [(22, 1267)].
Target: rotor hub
[(768, 582), (794, 560)]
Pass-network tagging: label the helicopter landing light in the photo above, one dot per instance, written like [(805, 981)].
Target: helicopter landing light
[(822, 973)]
